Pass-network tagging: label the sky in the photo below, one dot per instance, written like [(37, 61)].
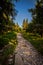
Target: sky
[(22, 7)]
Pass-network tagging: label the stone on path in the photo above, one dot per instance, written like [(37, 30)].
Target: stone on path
[(18, 60)]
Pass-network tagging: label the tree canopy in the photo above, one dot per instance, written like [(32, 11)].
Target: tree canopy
[(25, 24), (7, 13), (37, 16)]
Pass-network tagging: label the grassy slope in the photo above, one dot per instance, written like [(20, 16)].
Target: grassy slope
[(10, 42), (35, 40)]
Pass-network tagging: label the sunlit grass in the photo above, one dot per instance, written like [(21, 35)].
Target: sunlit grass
[(8, 42), (35, 40)]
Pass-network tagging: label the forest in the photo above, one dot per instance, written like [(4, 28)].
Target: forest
[(31, 31)]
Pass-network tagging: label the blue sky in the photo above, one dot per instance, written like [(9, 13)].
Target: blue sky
[(22, 8)]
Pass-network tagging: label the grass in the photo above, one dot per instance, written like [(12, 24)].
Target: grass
[(5, 39), (8, 43), (35, 40)]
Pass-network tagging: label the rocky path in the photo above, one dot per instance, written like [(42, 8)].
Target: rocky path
[(26, 53)]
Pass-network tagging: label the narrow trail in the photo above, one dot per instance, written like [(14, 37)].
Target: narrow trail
[(26, 53)]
